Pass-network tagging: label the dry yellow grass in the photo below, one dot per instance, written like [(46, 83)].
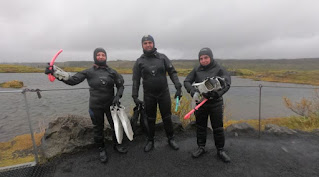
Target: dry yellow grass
[(299, 123), (18, 150), (12, 84)]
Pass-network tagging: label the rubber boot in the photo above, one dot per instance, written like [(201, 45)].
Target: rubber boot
[(149, 145), (103, 155), (198, 152), (219, 138), (172, 143), (168, 126), (223, 156), (150, 137), (118, 147)]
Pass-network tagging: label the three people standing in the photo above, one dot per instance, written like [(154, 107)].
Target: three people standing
[(152, 67)]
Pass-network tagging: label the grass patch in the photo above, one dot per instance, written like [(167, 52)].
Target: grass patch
[(18, 150), (284, 76), (295, 122), (4, 68), (12, 84)]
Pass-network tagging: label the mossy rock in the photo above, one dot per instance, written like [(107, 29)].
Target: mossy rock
[(12, 84)]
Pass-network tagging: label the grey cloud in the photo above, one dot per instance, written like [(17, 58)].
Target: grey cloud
[(233, 29)]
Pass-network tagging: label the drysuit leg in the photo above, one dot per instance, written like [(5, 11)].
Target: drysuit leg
[(110, 120), (150, 110), (164, 103), (216, 118), (201, 124), (97, 117)]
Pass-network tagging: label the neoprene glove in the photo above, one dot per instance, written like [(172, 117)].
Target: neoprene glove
[(193, 91), (222, 82), (178, 93), (137, 101), (212, 94), (116, 101), (48, 70)]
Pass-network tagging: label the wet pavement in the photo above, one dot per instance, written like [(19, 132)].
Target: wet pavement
[(270, 155), (295, 155)]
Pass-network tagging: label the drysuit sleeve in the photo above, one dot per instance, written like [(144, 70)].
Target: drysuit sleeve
[(76, 78), (119, 83), (189, 80), (224, 74), (136, 78), (172, 73)]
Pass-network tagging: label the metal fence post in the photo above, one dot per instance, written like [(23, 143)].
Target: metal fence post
[(260, 86), (30, 126)]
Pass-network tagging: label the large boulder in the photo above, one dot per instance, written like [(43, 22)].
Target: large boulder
[(278, 130), (68, 134), (240, 128)]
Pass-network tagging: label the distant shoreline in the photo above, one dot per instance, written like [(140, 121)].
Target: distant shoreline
[(298, 71)]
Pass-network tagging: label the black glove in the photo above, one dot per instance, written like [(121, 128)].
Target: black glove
[(211, 94), (137, 101), (193, 91), (222, 82), (48, 70), (178, 93), (116, 101)]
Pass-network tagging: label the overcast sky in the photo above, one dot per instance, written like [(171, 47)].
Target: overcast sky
[(34, 30)]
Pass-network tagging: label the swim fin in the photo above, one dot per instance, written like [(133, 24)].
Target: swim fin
[(117, 124), (134, 118), (126, 124), (143, 120)]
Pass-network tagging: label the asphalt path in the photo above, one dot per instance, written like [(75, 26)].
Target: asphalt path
[(270, 155)]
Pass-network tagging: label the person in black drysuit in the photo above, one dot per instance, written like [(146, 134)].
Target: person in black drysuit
[(101, 79), (152, 67), (213, 108)]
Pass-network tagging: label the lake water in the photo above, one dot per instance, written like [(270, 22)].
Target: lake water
[(241, 102)]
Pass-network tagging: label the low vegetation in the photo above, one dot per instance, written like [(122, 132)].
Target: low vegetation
[(284, 76), (12, 84), (18, 150), (4, 68)]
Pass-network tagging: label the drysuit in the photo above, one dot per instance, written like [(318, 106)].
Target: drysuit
[(101, 80), (214, 106), (152, 68)]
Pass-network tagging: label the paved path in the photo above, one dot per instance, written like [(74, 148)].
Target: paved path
[(295, 155), (291, 156)]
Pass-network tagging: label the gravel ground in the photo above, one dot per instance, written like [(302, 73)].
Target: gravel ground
[(294, 156)]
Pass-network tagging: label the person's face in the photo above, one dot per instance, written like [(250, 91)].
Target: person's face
[(204, 60), (100, 56), (148, 45)]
